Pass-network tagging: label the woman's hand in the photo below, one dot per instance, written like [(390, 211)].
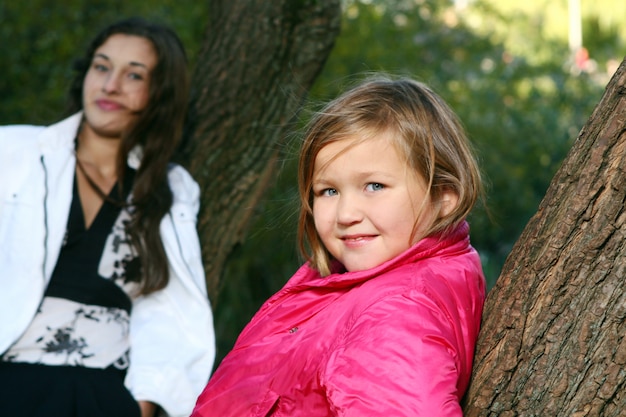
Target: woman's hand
[(147, 408)]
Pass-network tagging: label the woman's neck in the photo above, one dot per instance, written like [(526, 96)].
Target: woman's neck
[(96, 171), (99, 153)]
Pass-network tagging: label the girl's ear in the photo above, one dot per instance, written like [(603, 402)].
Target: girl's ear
[(448, 202)]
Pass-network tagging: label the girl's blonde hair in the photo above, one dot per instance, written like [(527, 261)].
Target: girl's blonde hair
[(426, 132)]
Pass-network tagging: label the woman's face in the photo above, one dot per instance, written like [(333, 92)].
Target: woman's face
[(117, 84)]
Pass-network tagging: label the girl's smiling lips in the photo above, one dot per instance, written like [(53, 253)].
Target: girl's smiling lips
[(108, 105), (356, 240)]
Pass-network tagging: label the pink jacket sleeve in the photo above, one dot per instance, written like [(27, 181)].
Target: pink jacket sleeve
[(400, 358)]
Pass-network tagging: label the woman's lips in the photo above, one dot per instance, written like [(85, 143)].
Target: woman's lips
[(108, 105)]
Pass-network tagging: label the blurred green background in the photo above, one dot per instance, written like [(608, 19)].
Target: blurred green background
[(508, 68)]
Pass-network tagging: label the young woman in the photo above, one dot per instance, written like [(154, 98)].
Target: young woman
[(383, 318), (102, 295)]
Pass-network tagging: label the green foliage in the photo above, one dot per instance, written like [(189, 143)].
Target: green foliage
[(603, 40)]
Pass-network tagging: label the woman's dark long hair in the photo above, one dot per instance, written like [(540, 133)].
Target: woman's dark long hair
[(157, 131)]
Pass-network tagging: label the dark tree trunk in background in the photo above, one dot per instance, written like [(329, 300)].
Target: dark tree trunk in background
[(553, 341), (258, 61)]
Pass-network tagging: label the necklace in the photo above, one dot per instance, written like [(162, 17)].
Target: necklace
[(95, 187)]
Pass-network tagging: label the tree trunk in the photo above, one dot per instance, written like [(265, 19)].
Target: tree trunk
[(552, 341), (258, 62)]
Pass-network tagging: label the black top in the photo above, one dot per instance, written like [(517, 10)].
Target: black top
[(75, 275), (84, 317)]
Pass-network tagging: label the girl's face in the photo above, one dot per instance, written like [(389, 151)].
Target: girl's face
[(116, 86), (367, 201)]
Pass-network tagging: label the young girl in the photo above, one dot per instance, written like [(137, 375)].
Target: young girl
[(383, 318), (103, 305)]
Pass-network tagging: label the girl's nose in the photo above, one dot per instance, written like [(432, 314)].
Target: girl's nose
[(349, 210)]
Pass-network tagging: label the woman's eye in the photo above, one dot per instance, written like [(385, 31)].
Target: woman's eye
[(100, 67), (374, 186), (135, 76)]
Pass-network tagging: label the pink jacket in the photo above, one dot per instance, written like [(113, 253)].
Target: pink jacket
[(395, 340)]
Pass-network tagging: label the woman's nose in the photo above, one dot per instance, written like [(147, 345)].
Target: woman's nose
[(111, 84)]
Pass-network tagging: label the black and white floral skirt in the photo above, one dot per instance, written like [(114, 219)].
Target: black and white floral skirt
[(33, 390)]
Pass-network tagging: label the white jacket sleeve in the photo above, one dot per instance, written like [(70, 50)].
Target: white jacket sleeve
[(171, 332)]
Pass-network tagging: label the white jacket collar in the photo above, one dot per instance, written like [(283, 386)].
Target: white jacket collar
[(61, 134)]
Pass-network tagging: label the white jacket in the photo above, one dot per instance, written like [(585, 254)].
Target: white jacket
[(171, 331)]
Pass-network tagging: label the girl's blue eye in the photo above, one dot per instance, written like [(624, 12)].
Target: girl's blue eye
[(135, 76), (328, 192), (375, 186), (100, 67)]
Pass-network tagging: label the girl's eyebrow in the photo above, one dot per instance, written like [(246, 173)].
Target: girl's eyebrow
[(319, 180), (361, 176), (132, 63)]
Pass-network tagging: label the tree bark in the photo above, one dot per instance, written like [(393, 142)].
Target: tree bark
[(258, 62), (552, 341)]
